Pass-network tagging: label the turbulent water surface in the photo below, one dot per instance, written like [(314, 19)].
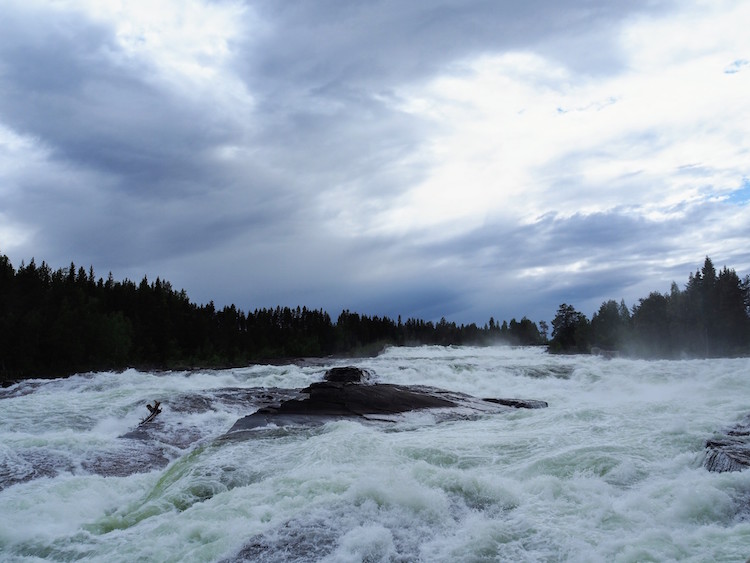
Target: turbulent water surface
[(612, 470)]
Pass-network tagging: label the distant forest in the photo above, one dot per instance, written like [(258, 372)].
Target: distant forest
[(709, 318), (58, 322)]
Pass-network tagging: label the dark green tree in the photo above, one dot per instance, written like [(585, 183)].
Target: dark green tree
[(543, 330), (610, 325), (731, 325), (524, 332), (570, 330), (651, 331)]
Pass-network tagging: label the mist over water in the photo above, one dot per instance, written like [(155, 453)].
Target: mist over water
[(610, 471)]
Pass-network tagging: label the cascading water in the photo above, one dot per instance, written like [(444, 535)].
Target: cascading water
[(612, 470)]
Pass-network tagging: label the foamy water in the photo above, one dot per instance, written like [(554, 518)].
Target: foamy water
[(611, 471)]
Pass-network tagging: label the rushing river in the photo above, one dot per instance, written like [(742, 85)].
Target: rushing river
[(612, 470)]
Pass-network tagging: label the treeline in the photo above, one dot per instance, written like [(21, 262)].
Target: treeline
[(709, 318), (58, 322)]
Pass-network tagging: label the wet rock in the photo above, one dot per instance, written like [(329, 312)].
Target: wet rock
[(729, 451), (345, 393), (520, 403), (19, 467), (348, 374), (331, 400), (294, 541), (334, 399), (126, 462), (330, 397)]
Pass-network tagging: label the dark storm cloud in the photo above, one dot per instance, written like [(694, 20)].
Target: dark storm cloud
[(586, 260), (269, 200), (555, 240), (130, 177), (324, 72), (378, 43), (63, 87)]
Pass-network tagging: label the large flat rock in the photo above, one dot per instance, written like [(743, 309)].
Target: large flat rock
[(343, 395)]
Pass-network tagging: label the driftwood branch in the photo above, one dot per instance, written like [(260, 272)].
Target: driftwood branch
[(154, 410)]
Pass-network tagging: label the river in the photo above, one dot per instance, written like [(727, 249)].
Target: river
[(612, 470)]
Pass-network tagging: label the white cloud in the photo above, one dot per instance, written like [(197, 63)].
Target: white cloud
[(521, 135), (17, 153), (12, 234), (186, 44)]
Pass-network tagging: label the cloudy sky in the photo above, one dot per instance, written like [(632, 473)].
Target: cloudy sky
[(451, 158)]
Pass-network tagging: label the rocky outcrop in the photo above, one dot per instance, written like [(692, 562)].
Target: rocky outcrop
[(519, 403), (346, 393), (348, 374), (729, 451)]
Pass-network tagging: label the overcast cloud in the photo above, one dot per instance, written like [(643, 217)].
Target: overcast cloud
[(464, 159)]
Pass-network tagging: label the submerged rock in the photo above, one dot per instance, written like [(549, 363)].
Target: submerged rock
[(730, 451), (293, 541), (520, 403)]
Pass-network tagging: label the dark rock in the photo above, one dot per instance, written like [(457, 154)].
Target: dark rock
[(329, 397), (294, 541), (347, 393), (520, 403), (332, 400), (729, 451), (126, 462), (348, 374)]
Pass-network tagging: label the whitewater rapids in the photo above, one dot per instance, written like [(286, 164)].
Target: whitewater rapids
[(612, 470)]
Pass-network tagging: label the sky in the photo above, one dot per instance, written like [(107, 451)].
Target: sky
[(458, 159)]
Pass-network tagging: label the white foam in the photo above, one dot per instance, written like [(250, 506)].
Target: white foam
[(611, 471)]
